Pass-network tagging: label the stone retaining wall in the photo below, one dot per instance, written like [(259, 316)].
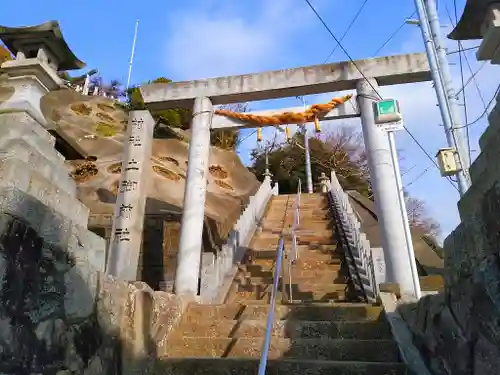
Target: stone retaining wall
[(458, 331)]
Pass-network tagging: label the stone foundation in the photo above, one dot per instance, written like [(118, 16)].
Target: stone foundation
[(458, 331)]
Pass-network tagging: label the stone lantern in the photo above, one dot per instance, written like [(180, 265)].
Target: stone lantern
[(33, 174), (40, 52)]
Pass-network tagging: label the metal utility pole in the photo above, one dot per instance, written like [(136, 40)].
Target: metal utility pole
[(457, 131), (132, 55), (449, 126), (307, 152)]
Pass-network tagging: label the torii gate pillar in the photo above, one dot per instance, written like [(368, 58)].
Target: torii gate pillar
[(191, 241), (385, 189)]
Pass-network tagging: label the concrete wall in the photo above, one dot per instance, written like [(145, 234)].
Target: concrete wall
[(458, 331)]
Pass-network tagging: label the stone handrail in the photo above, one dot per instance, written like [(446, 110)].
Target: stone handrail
[(359, 254), (218, 270)]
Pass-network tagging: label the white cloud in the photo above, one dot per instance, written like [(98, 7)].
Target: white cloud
[(228, 37)]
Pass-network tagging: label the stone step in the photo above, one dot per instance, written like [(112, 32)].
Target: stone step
[(268, 244), (432, 283), (260, 270), (303, 249), (265, 257), (272, 234), (330, 273), (279, 216), (318, 312), (286, 328), (265, 296), (312, 251), (319, 349), (296, 287), (315, 227), (303, 208), (16, 173), (248, 366), (301, 278), (303, 196)]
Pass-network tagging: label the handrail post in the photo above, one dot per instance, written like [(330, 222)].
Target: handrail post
[(272, 308)]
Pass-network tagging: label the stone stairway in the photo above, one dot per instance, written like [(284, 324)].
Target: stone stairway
[(318, 332), (316, 275)]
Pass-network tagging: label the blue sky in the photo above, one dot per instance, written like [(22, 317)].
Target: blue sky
[(204, 38)]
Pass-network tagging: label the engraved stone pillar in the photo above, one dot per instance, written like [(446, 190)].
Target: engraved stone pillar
[(126, 235), (190, 244)]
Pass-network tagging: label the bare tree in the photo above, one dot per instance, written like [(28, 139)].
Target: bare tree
[(418, 216), (346, 151)]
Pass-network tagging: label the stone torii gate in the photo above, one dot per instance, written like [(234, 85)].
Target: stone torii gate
[(201, 95)]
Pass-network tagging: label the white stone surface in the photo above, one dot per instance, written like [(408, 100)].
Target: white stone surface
[(126, 236)]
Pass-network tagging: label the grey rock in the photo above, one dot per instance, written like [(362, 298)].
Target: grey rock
[(80, 292)]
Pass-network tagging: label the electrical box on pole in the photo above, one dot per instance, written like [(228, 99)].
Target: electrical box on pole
[(447, 162), (388, 115)]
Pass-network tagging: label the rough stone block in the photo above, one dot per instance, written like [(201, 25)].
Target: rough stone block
[(451, 344), (489, 209), (486, 308), (486, 165), (461, 303), (24, 123), (19, 149), (80, 284), (460, 256), (390, 288), (493, 128), (46, 323), (19, 204), (35, 142), (486, 357), (87, 247), (13, 172)]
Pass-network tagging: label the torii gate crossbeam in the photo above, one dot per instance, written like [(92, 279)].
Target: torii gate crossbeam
[(201, 95), (316, 79)]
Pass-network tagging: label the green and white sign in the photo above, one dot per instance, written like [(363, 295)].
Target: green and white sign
[(387, 107), (387, 115)]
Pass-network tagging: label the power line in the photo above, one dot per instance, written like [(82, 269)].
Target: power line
[(463, 50), (420, 175), (341, 46), (486, 109), (394, 34), (369, 83), (348, 29), (467, 132), (247, 136), (472, 78), (479, 92)]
